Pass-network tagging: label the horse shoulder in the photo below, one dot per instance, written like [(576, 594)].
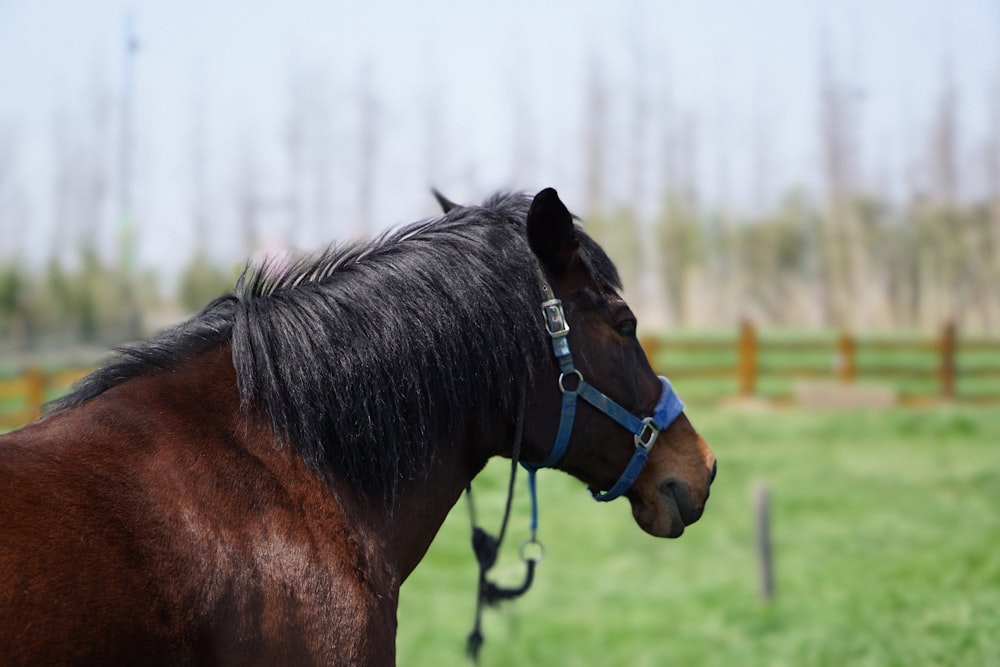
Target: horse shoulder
[(156, 518)]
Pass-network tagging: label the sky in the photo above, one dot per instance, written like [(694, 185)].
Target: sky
[(465, 96)]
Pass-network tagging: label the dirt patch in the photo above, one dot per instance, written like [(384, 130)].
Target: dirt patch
[(843, 395)]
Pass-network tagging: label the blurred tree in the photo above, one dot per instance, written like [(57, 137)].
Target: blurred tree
[(369, 114), (12, 296), (679, 244), (595, 110), (247, 199), (201, 281), (679, 228), (618, 233), (989, 274), (843, 268), (775, 254)]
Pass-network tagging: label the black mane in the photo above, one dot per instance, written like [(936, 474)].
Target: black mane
[(367, 355)]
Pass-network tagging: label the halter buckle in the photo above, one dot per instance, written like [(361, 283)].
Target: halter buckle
[(555, 318), (647, 434)]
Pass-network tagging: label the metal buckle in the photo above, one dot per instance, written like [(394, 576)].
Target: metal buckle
[(555, 318), (647, 434)]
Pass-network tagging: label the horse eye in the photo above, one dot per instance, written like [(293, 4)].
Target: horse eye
[(626, 328)]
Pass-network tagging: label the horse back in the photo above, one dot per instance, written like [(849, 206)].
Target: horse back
[(155, 523)]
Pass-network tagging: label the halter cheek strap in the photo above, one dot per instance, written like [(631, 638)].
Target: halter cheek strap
[(644, 430)]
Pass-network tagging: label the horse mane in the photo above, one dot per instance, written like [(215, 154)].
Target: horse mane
[(367, 355)]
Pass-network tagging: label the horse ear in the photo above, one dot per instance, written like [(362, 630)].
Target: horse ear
[(445, 203), (551, 234)]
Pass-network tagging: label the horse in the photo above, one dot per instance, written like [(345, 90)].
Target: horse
[(254, 485)]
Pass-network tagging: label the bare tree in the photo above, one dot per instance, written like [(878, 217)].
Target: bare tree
[(13, 275), (248, 199), (616, 229), (640, 256), (990, 268), (199, 170), (368, 156), (964, 235), (639, 116), (97, 168), (294, 142), (308, 150), (524, 163), (679, 227), (320, 160), (128, 224), (843, 269), (435, 138), (722, 281), (943, 168), (10, 227), (595, 108)]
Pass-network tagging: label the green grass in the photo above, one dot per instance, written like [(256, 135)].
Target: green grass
[(887, 552)]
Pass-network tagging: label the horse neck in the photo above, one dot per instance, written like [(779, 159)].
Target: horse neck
[(424, 503)]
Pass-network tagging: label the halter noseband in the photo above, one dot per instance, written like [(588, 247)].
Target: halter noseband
[(644, 430)]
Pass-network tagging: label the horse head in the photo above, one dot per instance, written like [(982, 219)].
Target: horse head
[(670, 485)]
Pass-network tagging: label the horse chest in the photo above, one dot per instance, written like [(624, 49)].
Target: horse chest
[(288, 582)]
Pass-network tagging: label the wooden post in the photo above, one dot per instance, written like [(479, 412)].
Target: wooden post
[(846, 364), (948, 369), (747, 368), (765, 561), (35, 390), (651, 348)]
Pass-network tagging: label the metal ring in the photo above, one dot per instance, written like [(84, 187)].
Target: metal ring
[(579, 377), (526, 553)]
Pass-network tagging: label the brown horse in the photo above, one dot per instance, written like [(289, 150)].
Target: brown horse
[(253, 486)]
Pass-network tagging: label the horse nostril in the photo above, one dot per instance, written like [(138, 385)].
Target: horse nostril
[(715, 468)]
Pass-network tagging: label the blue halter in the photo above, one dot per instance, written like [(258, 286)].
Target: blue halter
[(645, 430)]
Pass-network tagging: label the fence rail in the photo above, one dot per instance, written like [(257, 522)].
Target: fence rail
[(916, 369), (749, 364), (22, 396)]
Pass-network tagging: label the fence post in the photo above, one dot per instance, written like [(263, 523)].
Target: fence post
[(651, 348), (747, 368), (846, 364), (36, 390), (948, 370)]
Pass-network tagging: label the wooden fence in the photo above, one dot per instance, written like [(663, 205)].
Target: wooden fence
[(750, 364), (22, 396), (915, 369)]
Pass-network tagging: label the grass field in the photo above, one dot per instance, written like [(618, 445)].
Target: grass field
[(887, 552)]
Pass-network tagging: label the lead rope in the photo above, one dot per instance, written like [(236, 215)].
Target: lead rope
[(486, 547)]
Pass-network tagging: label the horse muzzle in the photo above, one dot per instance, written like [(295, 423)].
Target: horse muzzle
[(669, 507)]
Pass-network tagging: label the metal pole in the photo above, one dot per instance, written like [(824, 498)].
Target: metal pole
[(764, 551), (126, 213)]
